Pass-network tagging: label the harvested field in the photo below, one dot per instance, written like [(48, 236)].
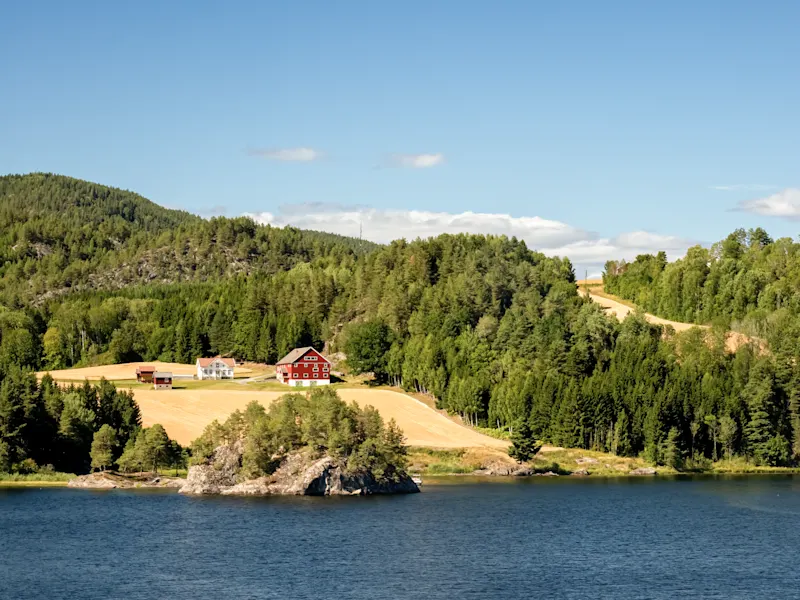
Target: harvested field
[(185, 413), (127, 371)]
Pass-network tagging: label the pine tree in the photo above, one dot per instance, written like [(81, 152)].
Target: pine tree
[(622, 437), (524, 447), (671, 453), (727, 434)]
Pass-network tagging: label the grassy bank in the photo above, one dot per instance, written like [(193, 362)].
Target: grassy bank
[(35, 479), (569, 461)]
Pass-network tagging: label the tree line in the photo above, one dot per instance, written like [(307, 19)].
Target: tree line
[(45, 426)]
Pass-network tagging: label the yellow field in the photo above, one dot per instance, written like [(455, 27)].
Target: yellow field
[(185, 413), (127, 371)]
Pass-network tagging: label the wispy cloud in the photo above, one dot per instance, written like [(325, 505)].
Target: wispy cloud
[(785, 203), (287, 154), (416, 161), (586, 249), (744, 187), (218, 210)]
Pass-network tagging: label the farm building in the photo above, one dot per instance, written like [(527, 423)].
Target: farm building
[(162, 380), (215, 368), (303, 367), (144, 374)]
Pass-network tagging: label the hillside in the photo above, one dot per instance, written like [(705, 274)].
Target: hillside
[(59, 234), (493, 331), (748, 282)]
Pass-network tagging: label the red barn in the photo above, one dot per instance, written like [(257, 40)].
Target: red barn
[(304, 366), (144, 374)]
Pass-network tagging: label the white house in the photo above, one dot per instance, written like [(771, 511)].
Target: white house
[(215, 368)]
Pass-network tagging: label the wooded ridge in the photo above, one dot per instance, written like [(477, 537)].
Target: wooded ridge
[(495, 331)]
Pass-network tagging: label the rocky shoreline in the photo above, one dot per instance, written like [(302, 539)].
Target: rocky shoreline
[(106, 480), (299, 474)]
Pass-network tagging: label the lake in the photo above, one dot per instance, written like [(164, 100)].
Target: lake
[(732, 537)]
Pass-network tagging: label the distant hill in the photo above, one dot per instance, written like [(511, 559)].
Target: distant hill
[(59, 233)]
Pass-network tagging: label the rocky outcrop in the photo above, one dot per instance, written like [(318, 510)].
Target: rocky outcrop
[(219, 474), (299, 474), (109, 481), (505, 469), (643, 471)]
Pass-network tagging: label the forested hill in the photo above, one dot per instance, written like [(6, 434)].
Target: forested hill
[(747, 281), (58, 233), (491, 329)]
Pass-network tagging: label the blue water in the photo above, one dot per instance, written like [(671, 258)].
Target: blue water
[(545, 538)]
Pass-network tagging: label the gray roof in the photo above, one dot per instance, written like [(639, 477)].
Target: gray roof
[(295, 354), (162, 374)]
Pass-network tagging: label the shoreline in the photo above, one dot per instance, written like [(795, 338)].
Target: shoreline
[(499, 478)]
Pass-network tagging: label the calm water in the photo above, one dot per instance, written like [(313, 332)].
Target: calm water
[(547, 538)]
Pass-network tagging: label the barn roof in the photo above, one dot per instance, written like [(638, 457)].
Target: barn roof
[(163, 374), (145, 369), (297, 353), (204, 362)]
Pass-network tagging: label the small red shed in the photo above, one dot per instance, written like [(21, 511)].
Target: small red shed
[(144, 374)]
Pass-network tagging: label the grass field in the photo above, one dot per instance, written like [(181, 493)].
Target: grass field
[(184, 413)]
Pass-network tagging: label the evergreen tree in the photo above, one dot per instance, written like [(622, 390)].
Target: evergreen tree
[(671, 453), (622, 440), (102, 454), (523, 445), (727, 434)]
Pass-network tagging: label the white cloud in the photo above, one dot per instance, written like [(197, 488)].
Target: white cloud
[(743, 187), (554, 238), (287, 154), (783, 204), (416, 161)]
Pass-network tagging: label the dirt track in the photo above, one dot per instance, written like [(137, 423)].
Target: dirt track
[(185, 414), (733, 339), (621, 311)]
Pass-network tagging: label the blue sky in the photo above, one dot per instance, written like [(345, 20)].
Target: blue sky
[(623, 126)]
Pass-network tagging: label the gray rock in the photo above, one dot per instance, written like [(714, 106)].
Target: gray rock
[(298, 475), (586, 460), (108, 481), (580, 473), (643, 471), (217, 475), (93, 481), (500, 468)]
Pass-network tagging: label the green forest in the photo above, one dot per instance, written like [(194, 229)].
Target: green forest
[(493, 330), (319, 422)]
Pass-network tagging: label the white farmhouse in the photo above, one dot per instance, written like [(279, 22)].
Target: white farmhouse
[(215, 368)]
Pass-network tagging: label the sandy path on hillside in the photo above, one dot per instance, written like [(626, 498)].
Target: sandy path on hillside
[(733, 339), (621, 311), (185, 414), (127, 371)]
